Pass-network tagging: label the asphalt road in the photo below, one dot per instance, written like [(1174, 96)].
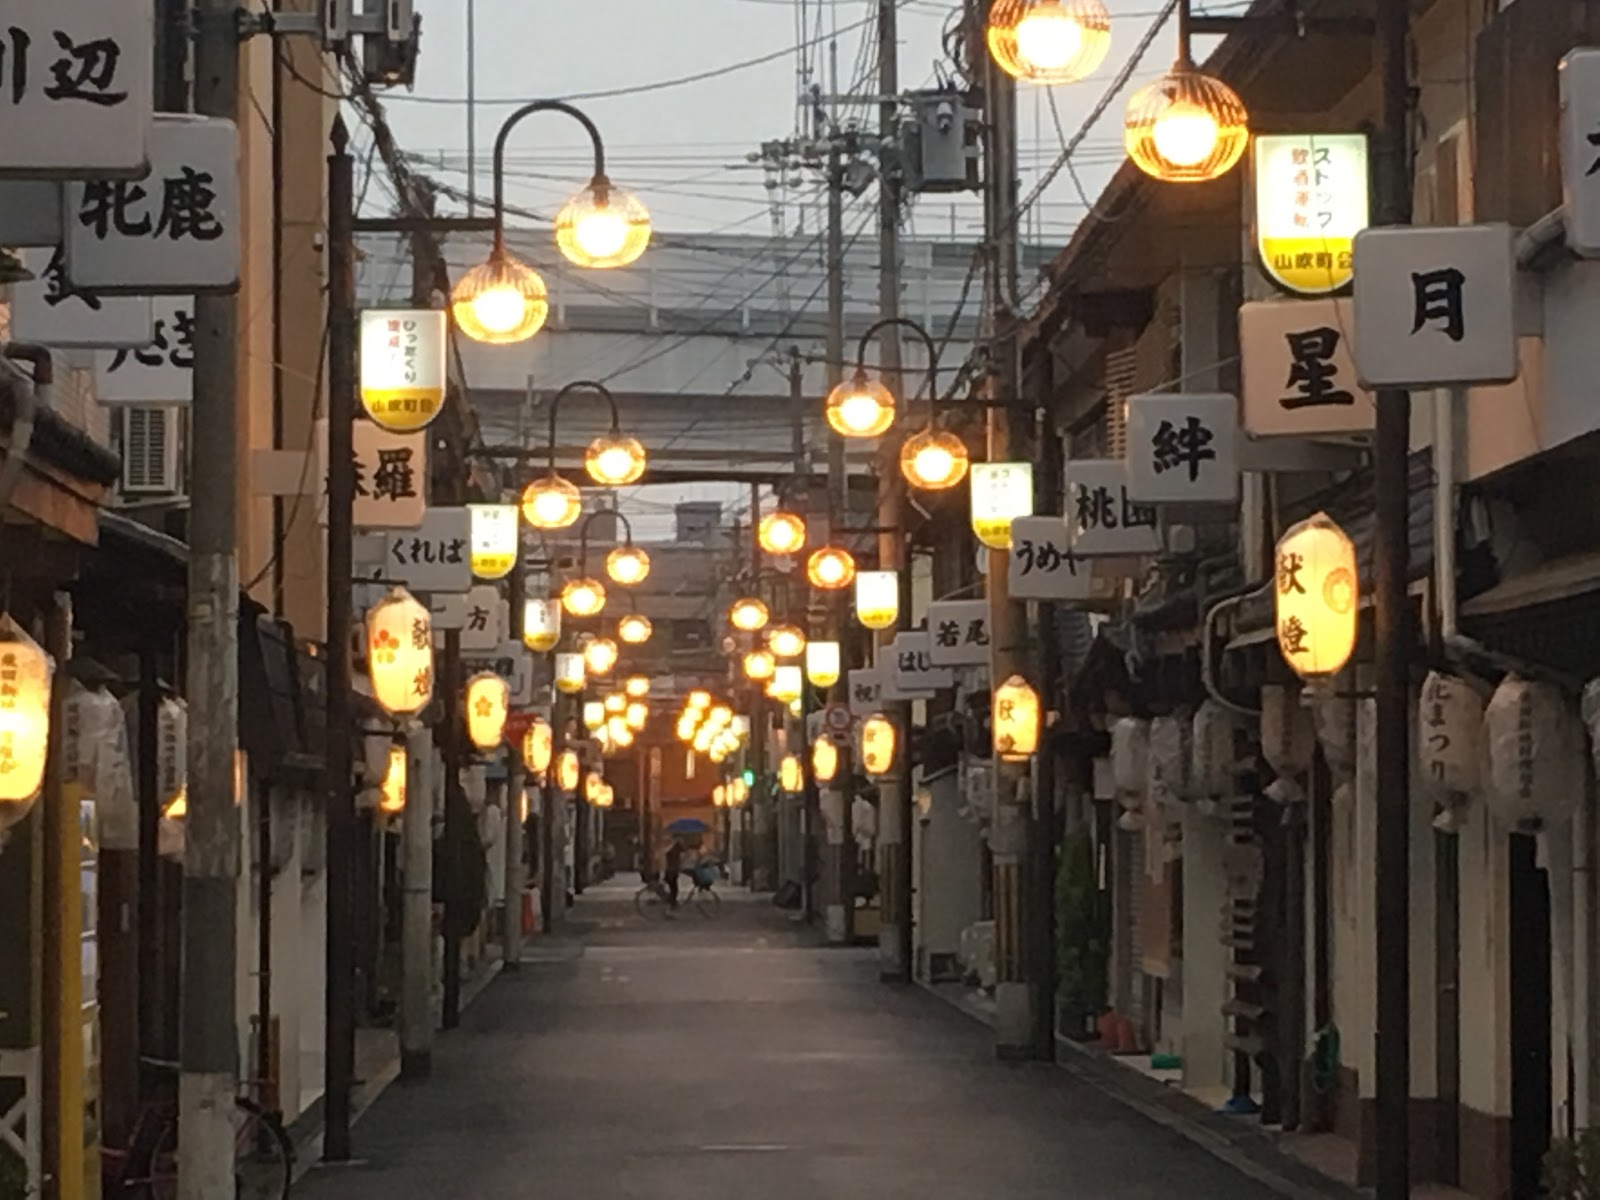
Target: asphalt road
[(696, 1060)]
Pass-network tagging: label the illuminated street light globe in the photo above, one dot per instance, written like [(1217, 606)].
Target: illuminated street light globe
[(615, 704), (603, 226), (699, 700), (1186, 127), (786, 641), (614, 459), (831, 568), (551, 503), (583, 597), (635, 629), (628, 565), (637, 715), (759, 666), (782, 533), (748, 614), (860, 408), (500, 302), (1048, 41), (599, 656), (637, 687), (934, 460)]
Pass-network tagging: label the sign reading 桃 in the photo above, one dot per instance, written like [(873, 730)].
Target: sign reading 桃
[(958, 630), (402, 366), (77, 81), (161, 371), (1434, 306), (173, 232), (391, 470), (1298, 372), (1183, 448), (45, 309), (1580, 150), (1311, 201), (1103, 518)]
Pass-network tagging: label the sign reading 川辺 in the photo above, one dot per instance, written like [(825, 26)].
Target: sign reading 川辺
[(1311, 201)]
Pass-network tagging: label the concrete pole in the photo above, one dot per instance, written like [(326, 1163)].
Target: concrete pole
[(416, 914), (457, 829), (511, 940), (209, 1038)]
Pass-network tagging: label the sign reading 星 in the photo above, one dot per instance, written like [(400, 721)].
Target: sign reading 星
[(1298, 370), (1183, 449), (1311, 201), (1580, 150), (402, 366)]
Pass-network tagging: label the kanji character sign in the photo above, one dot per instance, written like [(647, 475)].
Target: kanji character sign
[(1580, 150), (1298, 373), (1182, 449)]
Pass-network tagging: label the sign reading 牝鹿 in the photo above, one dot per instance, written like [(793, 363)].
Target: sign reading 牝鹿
[(1311, 201)]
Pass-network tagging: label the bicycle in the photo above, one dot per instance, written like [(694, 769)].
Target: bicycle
[(147, 1167), (654, 899)]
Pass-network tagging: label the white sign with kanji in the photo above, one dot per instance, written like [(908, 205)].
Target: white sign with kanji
[(159, 372), (513, 662), (448, 610), (1434, 306), (391, 473), (175, 231), (912, 672), (1183, 448), (436, 557), (1311, 201), (45, 309), (1102, 517), (77, 81), (1042, 565), (958, 630), (488, 622), (30, 214), (1580, 150), (1298, 370), (865, 691)]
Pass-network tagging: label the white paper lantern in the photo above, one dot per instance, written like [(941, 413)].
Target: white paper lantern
[(1130, 753), (1535, 755), (494, 529), (487, 704), (172, 753), (1211, 770), (25, 674), (1450, 733), (541, 623), (1317, 596), (400, 653), (877, 598)]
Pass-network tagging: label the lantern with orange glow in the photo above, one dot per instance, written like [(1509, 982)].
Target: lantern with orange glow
[(488, 702), (400, 654)]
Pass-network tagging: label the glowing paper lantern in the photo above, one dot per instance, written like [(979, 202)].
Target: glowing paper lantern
[(824, 760), (570, 674), (790, 777), (568, 771), (1317, 597), (1001, 492), (538, 745), (392, 798), (400, 654), (541, 624), (494, 529), (594, 715), (488, 703), (877, 599), (759, 666), (403, 357), (637, 687), (877, 745), (25, 674), (822, 663), (1015, 720), (637, 715), (592, 784)]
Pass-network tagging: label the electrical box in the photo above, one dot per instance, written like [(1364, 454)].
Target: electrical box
[(941, 150)]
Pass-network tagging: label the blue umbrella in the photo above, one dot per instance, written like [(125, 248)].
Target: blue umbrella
[(688, 825)]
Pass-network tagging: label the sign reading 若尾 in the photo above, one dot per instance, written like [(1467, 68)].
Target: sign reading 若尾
[(1298, 371), (912, 671), (402, 366), (1580, 150), (865, 691), (435, 557), (1042, 565), (1311, 201), (1183, 449), (958, 630), (171, 233), (1434, 306), (488, 622), (77, 81), (159, 372), (1101, 516), (45, 309), (390, 472)]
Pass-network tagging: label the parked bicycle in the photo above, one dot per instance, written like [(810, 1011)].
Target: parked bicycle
[(147, 1167), (696, 891)]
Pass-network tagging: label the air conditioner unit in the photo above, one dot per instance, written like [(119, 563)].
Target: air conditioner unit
[(150, 451)]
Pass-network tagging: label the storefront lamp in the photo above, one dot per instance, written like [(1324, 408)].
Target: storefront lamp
[(786, 641), (1048, 41), (877, 745), (541, 623), (782, 533), (25, 719), (822, 663), (1318, 597), (488, 703), (878, 599), (570, 675), (1015, 720), (583, 597), (748, 614), (831, 568), (592, 783), (399, 655), (824, 760), (791, 778)]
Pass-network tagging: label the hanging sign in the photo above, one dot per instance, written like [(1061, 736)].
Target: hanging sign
[(958, 630), (865, 691), (1102, 517), (434, 556), (46, 310), (77, 79), (1042, 565), (1001, 492), (488, 621), (1434, 306), (913, 673), (448, 610), (159, 372), (30, 214), (1298, 370), (390, 470), (1311, 201), (172, 233), (1183, 449), (1580, 153), (403, 366), (494, 539)]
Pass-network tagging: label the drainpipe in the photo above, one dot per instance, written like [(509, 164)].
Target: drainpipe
[(32, 394), (1207, 666)]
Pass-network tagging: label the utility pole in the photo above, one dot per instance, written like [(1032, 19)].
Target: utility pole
[(209, 1041), (762, 852), (1008, 623), (511, 936), (1394, 651), (894, 791), (416, 916), (457, 822), (339, 996), (552, 895)]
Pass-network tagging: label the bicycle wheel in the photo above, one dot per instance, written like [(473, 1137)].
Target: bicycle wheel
[(263, 1161), (649, 903), (707, 903)]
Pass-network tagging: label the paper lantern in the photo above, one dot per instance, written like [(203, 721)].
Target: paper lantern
[(1450, 728), (878, 599), (25, 675), (594, 714), (599, 655), (877, 744), (786, 641), (541, 624), (1535, 755), (636, 687), (719, 717), (822, 663), (488, 703), (703, 738), (400, 654), (592, 783), (619, 732), (1015, 720), (392, 797), (538, 745), (637, 716), (570, 674), (1001, 492), (787, 684), (568, 771), (719, 795), (687, 728), (494, 529), (699, 699), (824, 760), (790, 777), (748, 614), (604, 797), (1318, 597), (404, 354), (616, 703)]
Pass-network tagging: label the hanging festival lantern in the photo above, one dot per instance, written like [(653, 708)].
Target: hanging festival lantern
[(541, 623), (748, 614), (719, 795), (637, 716), (488, 703), (616, 703), (782, 533), (877, 745), (878, 599), (1015, 720), (831, 568), (634, 629), (594, 714), (787, 684), (583, 597), (538, 744), (786, 641), (494, 532), (568, 771), (759, 665), (25, 675), (822, 663), (570, 674), (824, 760), (790, 776), (400, 654), (619, 732), (699, 700), (1318, 597), (392, 796), (1001, 492), (404, 355)]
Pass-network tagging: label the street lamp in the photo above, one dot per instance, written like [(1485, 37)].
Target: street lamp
[(634, 629), (629, 564), (748, 614), (1048, 41), (823, 663), (860, 407), (637, 687), (583, 597), (782, 532), (599, 656), (831, 568), (934, 460), (612, 460), (759, 665), (503, 300), (1187, 126), (786, 641)]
